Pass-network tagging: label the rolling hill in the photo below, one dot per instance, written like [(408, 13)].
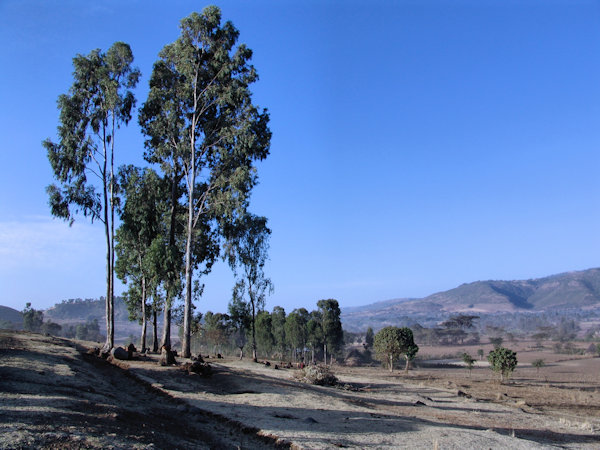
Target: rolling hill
[(12, 316), (563, 291)]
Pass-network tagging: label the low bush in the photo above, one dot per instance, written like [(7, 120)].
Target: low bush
[(318, 375)]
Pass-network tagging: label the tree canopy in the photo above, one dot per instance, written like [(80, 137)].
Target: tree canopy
[(393, 342)]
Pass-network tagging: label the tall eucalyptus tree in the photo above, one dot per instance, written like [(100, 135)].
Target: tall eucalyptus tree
[(97, 104), (142, 211), (203, 128), (248, 246)]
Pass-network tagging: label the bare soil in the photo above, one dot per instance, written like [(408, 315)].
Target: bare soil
[(52, 394)]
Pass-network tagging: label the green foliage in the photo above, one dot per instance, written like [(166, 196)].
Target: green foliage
[(264, 333), (240, 321), (278, 328), (480, 353), (538, 364), (143, 213), (469, 361), (247, 246), (6, 325), (369, 338), (216, 329), (98, 103), (496, 341), (392, 342), (202, 127), (503, 361), (314, 332), (333, 336), (89, 331), (32, 318), (295, 330), (51, 328)]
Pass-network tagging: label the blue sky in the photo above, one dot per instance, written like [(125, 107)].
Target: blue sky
[(417, 145)]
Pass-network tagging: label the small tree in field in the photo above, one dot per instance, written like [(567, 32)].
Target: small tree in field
[(469, 361), (496, 342), (503, 361), (480, 354), (392, 342), (538, 364)]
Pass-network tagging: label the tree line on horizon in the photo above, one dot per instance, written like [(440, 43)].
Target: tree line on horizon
[(166, 224), (298, 336)]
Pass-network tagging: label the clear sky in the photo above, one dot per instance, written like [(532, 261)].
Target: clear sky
[(417, 145)]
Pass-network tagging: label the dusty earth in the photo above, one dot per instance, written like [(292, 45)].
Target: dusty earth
[(54, 395)]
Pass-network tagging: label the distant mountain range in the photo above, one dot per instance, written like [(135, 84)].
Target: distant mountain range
[(563, 291)]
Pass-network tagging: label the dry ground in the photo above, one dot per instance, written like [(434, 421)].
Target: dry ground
[(141, 404), (54, 395)]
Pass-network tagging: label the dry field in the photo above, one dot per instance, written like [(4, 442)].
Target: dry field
[(53, 395)]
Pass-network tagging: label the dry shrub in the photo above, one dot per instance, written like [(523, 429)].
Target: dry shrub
[(319, 375), (201, 368)]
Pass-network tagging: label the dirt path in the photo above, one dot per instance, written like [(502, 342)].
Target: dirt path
[(376, 412), (53, 395)]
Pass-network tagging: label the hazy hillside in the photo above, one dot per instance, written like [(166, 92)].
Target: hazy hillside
[(11, 315), (74, 311), (84, 310), (566, 290)]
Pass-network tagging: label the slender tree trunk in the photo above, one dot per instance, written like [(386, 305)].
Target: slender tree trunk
[(407, 365), (325, 353), (187, 314), (166, 335), (108, 307), (254, 355), (191, 183), (144, 322), (391, 363), (304, 353), (154, 331), (112, 233)]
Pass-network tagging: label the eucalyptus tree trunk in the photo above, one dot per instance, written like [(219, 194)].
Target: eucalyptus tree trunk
[(325, 353), (191, 183), (187, 314), (110, 332), (154, 331), (391, 363), (144, 322), (252, 300), (111, 298), (166, 334)]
